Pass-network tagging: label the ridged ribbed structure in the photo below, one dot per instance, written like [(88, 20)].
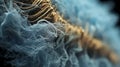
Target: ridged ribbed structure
[(36, 10)]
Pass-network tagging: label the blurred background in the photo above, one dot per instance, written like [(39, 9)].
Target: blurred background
[(116, 8)]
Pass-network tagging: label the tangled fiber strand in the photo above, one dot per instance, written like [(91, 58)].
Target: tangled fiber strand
[(45, 10), (44, 44)]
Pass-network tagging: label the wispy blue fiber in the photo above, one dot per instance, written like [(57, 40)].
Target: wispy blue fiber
[(44, 45)]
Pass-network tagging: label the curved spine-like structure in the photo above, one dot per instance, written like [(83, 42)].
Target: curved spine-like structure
[(43, 9)]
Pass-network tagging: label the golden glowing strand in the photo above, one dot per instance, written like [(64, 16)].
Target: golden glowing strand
[(47, 11)]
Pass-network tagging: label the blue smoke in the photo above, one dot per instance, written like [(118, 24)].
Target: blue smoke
[(44, 45)]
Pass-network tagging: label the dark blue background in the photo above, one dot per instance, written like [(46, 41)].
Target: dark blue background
[(116, 8)]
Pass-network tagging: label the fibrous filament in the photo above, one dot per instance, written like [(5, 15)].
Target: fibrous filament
[(43, 9)]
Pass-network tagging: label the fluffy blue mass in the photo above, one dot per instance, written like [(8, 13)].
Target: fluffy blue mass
[(44, 45)]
